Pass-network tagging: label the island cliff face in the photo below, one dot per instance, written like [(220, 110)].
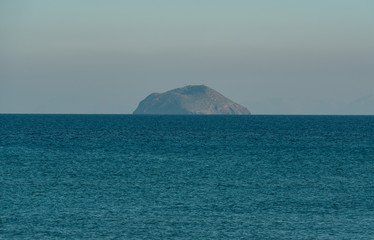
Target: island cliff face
[(196, 99)]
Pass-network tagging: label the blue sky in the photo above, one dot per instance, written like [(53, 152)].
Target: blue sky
[(105, 56)]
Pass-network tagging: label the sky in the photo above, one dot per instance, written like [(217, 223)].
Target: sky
[(274, 57)]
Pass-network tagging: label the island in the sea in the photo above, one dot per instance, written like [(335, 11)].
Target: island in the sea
[(193, 99)]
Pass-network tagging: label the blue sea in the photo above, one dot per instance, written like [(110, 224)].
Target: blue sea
[(186, 177)]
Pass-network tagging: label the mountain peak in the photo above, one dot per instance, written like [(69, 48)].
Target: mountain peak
[(191, 99)]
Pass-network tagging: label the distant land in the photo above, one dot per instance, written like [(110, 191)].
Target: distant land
[(193, 99)]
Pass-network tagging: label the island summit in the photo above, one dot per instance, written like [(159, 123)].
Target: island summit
[(193, 99)]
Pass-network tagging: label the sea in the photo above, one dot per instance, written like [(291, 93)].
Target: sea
[(186, 177)]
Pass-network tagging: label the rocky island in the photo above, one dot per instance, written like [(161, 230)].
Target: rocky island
[(194, 99)]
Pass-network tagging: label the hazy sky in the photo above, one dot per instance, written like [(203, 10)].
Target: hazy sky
[(92, 56)]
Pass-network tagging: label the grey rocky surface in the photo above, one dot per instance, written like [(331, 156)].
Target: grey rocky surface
[(193, 99)]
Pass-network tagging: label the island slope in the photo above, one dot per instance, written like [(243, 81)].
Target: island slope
[(193, 99)]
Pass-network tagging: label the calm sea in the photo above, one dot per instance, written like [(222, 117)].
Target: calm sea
[(186, 177)]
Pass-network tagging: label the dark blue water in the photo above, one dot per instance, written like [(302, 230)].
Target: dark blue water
[(186, 177)]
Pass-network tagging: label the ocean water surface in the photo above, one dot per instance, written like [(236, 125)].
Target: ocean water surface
[(186, 177)]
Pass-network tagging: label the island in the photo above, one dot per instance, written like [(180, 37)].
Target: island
[(193, 99)]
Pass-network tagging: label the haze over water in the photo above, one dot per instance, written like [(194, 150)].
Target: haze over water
[(274, 57), (291, 176)]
